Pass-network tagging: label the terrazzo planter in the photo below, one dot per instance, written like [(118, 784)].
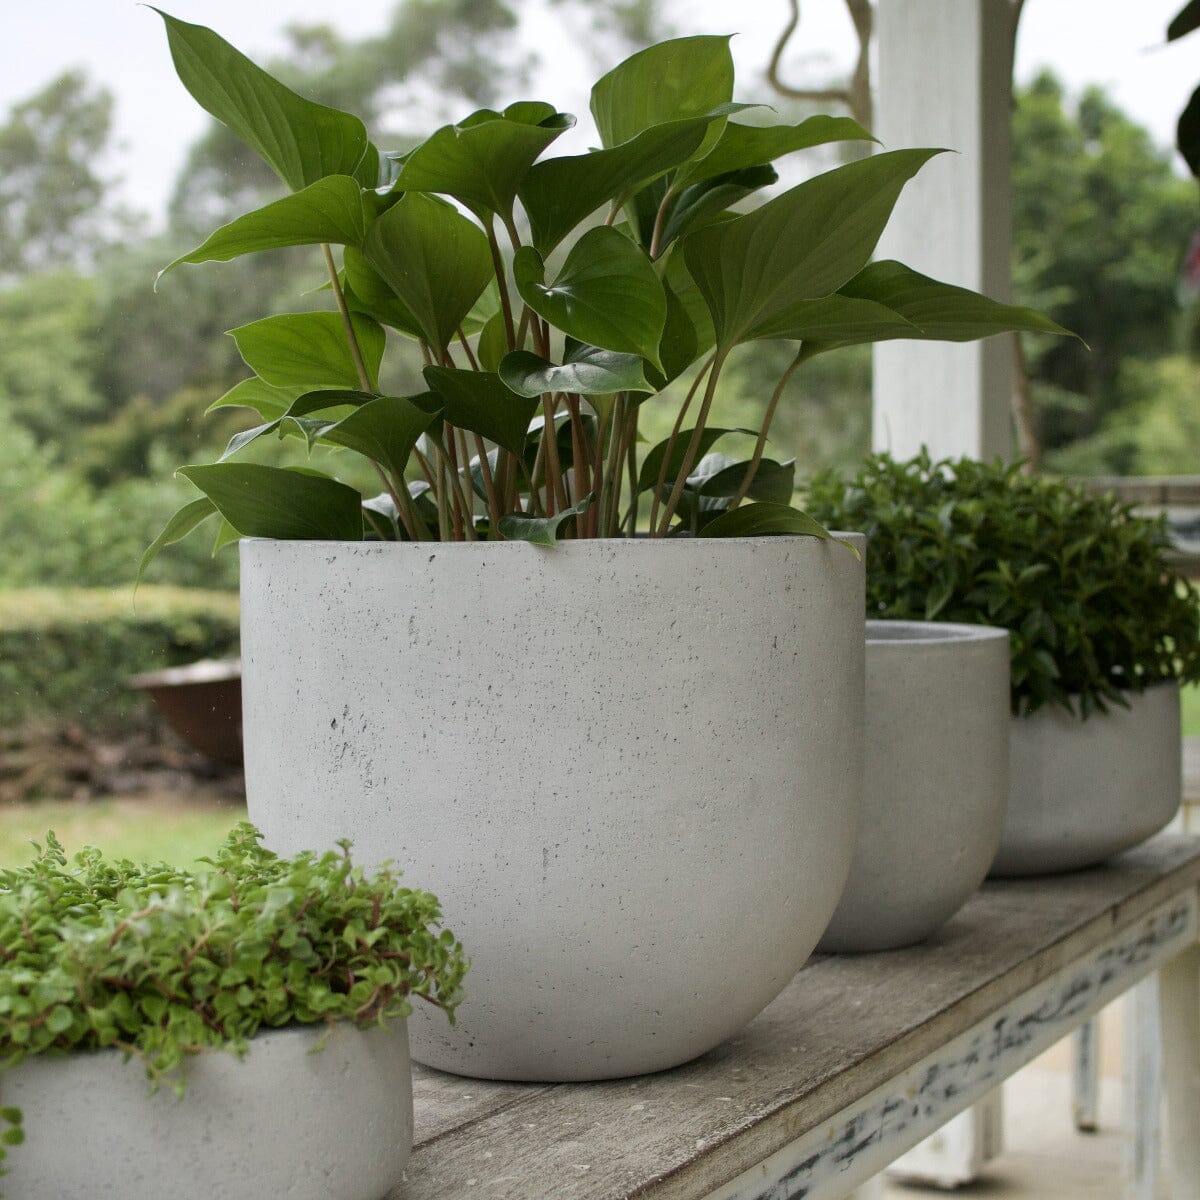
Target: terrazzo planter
[(935, 781), (334, 1125), (1082, 791), (630, 770)]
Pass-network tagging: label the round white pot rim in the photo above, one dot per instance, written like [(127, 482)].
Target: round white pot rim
[(884, 633)]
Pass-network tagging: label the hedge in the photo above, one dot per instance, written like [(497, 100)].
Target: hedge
[(66, 653)]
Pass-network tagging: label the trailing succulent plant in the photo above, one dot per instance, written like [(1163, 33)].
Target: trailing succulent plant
[(1083, 585), (162, 963), (551, 299)]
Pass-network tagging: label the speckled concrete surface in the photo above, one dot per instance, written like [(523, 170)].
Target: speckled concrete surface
[(630, 770)]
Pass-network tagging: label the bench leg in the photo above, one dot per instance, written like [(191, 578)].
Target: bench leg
[(1179, 984), (1141, 1079), (1085, 1044)]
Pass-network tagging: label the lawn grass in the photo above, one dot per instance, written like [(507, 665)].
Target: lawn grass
[(168, 829), (1191, 711)]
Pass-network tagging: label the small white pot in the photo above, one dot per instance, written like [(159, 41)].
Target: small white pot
[(332, 1125), (629, 769), (1084, 790), (935, 781)]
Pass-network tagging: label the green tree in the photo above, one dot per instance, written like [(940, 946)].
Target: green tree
[(1100, 227), (56, 206)]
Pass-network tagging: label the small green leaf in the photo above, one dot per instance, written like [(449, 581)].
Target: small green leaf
[(368, 292), (176, 529), (384, 429), (541, 531), (673, 80), (493, 343), (606, 294), (329, 210), (763, 519), (255, 393), (484, 404), (301, 141), (702, 201), (741, 146), (482, 160), (652, 463), (309, 349), (719, 475), (434, 259), (273, 502), (586, 371)]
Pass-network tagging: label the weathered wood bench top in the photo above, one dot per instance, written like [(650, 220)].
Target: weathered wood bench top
[(857, 1060)]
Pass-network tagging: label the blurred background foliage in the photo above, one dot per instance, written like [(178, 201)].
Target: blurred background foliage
[(104, 383)]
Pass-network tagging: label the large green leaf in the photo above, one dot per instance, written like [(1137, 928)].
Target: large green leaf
[(830, 319), (586, 371), (309, 349), (176, 529), (434, 259), (301, 141), (277, 503), (368, 292), (941, 311), (385, 430), (481, 402), (330, 210), (606, 294), (559, 192), (762, 519), (541, 531), (802, 245), (652, 463), (482, 160), (680, 78), (741, 146)]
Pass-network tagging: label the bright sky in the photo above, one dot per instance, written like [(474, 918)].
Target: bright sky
[(1113, 42)]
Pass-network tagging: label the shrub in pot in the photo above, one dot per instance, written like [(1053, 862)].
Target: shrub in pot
[(482, 669), (1103, 631), (269, 959)]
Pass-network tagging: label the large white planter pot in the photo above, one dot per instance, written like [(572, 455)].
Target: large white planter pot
[(629, 769), (935, 781), (334, 1125), (1082, 791)]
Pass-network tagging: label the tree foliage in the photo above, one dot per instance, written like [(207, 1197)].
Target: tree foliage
[(1100, 226)]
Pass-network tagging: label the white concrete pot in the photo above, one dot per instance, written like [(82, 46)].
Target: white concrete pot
[(335, 1125), (935, 781), (630, 770), (1082, 791)]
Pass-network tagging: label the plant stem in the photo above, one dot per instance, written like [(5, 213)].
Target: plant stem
[(459, 500), (693, 448), (661, 481), (510, 336), (579, 457), (610, 470), (489, 487), (400, 497), (761, 445), (660, 218), (462, 337), (464, 456), (629, 448), (556, 495)]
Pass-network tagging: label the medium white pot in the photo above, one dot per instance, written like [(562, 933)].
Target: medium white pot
[(935, 781), (630, 770), (1084, 790), (334, 1125)]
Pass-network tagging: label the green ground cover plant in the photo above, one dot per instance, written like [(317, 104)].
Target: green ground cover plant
[(162, 962), (66, 653), (1084, 586), (552, 299)]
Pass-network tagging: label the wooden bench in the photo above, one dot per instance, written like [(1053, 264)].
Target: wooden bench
[(856, 1062)]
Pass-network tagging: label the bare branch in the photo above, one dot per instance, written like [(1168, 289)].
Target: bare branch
[(856, 95)]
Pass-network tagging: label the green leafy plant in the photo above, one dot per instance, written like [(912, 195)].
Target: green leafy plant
[(551, 298), (1084, 586), (162, 963)]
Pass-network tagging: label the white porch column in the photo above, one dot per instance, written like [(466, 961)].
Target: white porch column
[(945, 72)]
